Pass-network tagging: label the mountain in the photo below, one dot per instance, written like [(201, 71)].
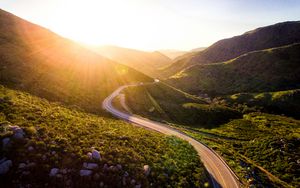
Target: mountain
[(42, 63), (172, 54), (145, 62), (265, 70), (258, 39)]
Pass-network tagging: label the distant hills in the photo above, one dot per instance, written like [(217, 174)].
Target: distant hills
[(172, 54), (258, 39), (38, 61), (145, 62)]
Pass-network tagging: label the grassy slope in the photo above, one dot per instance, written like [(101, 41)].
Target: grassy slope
[(280, 102), (266, 70), (162, 102), (40, 62), (145, 62), (261, 38), (258, 144), (51, 127)]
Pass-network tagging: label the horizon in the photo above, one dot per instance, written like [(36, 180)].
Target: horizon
[(160, 25)]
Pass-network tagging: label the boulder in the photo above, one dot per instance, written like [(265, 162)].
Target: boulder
[(105, 167), (22, 165), (85, 172), (5, 166), (147, 170), (96, 155), (119, 166), (89, 154), (96, 176), (53, 172), (5, 143), (30, 148), (90, 166), (18, 132), (64, 171)]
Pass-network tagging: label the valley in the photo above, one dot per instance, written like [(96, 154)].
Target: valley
[(76, 114)]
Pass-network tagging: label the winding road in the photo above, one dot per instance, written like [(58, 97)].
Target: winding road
[(220, 173)]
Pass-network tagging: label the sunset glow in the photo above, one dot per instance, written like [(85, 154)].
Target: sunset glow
[(149, 25)]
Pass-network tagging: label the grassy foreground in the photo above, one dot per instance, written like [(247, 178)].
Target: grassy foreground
[(58, 137)]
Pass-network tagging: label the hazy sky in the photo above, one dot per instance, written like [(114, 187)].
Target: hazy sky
[(153, 24)]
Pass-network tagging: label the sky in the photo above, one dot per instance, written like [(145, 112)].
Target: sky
[(153, 24)]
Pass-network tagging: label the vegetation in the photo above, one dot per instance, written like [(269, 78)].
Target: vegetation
[(262, 148), (276, 35), (266, 70), (38, 61), (162, 102), (62, 137), (280, 102)]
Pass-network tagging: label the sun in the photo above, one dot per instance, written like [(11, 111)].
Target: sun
[(98, 21)]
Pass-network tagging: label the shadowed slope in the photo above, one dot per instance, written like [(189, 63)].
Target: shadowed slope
[(266, 70)]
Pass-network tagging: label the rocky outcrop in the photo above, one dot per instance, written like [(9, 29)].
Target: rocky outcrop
[(96, 155), (85, 172), (5, 166)]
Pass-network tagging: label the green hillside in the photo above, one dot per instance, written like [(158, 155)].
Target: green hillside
[(279, 102), (59, 137), (276, 35), (36, 60), (263, 149), (164, 103), (267, 70)]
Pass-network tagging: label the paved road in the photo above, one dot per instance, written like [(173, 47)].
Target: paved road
[(220, 173)]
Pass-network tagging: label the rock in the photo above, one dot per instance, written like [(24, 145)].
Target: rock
[(5, 166), (89, 154), (44, 157), (119, 166), (2, 160), (5, 143), (90, 166), (64, 171), (105, 167), (32, 164), (101, 184), (53, 152), (25, 173), (85, 172), (30, 148), (112, 168), (126, 174), (138, 186), (18, 132), (22, 165), (53, 172), (147, 170), (59, 175), (96, 176), (132, 182), (96, 155)]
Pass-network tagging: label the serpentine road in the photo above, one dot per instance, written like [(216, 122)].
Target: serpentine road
[(221, 175)]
